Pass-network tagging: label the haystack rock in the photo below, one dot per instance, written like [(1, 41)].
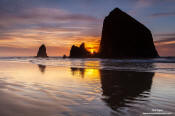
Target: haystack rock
[(79, 52), (42, 52), (125, 37)]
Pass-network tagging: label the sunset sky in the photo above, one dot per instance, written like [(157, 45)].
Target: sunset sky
[(26, 24)]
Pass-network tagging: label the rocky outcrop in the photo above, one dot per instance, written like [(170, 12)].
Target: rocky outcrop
[(64, 56), (42, 52), (79, 52), (124, 37)]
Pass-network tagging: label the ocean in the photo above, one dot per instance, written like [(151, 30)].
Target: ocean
[(86, 87)]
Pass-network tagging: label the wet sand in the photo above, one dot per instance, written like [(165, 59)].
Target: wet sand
[(28, 89)]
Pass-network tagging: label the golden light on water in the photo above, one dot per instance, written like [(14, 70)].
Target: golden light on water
[(88, 73), (48, 75), (47, 88), (92, 72)]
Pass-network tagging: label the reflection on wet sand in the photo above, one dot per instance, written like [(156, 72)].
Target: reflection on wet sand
[(78, 71), (86, 73), (121, 88), (62, 91), (42, 68)]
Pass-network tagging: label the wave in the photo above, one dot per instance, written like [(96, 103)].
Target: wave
[(163, 64), (51, 59)]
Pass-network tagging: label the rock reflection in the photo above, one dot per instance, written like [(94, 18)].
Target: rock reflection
[(78, 71), (42, 68), (121, 88)]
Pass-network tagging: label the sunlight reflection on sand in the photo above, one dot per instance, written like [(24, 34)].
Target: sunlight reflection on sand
[(39, 90)]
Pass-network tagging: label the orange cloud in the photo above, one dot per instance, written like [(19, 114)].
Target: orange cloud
[(166, 47), (56, 28)]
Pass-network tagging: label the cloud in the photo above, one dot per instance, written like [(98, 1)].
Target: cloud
[(55, 14), (48, 19), (168, 50), (14, 51), (166, 34), (144, 3), (166, 41), (166, 46), (18, 51), (163, 14), (148, 3), (165, 38), (54, 27), (140, 5), (36, 16)]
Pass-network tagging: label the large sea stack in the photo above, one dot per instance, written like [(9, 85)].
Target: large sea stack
[(79, 52), (125, 37), (42, 52)]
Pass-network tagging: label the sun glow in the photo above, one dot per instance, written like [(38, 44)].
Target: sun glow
[(91, 48), (92, 51), (92, 72)]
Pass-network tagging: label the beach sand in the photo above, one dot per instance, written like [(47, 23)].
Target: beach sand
[(28, 89)]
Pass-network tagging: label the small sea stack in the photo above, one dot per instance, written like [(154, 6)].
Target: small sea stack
[(125, 37), (42, 52), (64, 56), (79, 52)]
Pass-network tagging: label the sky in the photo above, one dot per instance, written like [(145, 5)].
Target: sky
[(26, 24)]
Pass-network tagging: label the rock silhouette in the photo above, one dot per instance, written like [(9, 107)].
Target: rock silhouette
[(64, 56), (79, 52), (124, 37), (42, 51)]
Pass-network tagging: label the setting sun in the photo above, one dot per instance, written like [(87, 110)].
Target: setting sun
[(92, 51), (92, 48)]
